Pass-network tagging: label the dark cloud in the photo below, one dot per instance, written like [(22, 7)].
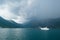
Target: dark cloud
[(40, 9)]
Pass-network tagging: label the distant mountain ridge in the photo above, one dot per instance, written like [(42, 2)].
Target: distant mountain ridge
[(50, 23), (34, 23), (8, 24)]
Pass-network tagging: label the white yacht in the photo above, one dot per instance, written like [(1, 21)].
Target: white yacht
[(44, 28)]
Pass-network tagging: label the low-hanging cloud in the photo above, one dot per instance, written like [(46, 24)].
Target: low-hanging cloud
[(15, 10), (18, 10)]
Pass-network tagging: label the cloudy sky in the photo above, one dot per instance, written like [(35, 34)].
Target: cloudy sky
[(21, 10)]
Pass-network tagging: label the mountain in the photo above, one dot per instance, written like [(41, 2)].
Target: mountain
[(50, 23), (33, 23), (8, 24)]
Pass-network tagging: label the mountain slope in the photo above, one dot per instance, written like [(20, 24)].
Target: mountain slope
[(34, 23), (8, 24), (50, 23)]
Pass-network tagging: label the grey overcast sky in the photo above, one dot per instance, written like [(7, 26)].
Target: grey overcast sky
[(20, 10)]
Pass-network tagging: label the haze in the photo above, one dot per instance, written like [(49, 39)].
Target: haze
[(21, 10)]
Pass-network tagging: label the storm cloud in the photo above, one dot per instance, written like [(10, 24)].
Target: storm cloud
[(21, 10)]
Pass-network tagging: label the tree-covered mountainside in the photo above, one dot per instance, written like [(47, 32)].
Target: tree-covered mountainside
[(33, 23), (51, 23), (8, 24)]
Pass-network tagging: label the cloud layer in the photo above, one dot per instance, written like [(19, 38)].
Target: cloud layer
[(21, 10), (15, 10)]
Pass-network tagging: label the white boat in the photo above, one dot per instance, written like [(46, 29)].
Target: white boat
[(44, 28)]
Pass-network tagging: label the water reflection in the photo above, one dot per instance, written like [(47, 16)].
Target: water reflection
[(28, 34), (11, 34)]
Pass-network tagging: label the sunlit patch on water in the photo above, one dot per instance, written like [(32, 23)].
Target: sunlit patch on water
[(29, 34), (12, 34)]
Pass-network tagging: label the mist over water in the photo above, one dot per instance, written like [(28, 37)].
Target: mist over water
[(17, 15), (21, 11)]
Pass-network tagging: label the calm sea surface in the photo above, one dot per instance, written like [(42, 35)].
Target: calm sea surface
[(29, 34)]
